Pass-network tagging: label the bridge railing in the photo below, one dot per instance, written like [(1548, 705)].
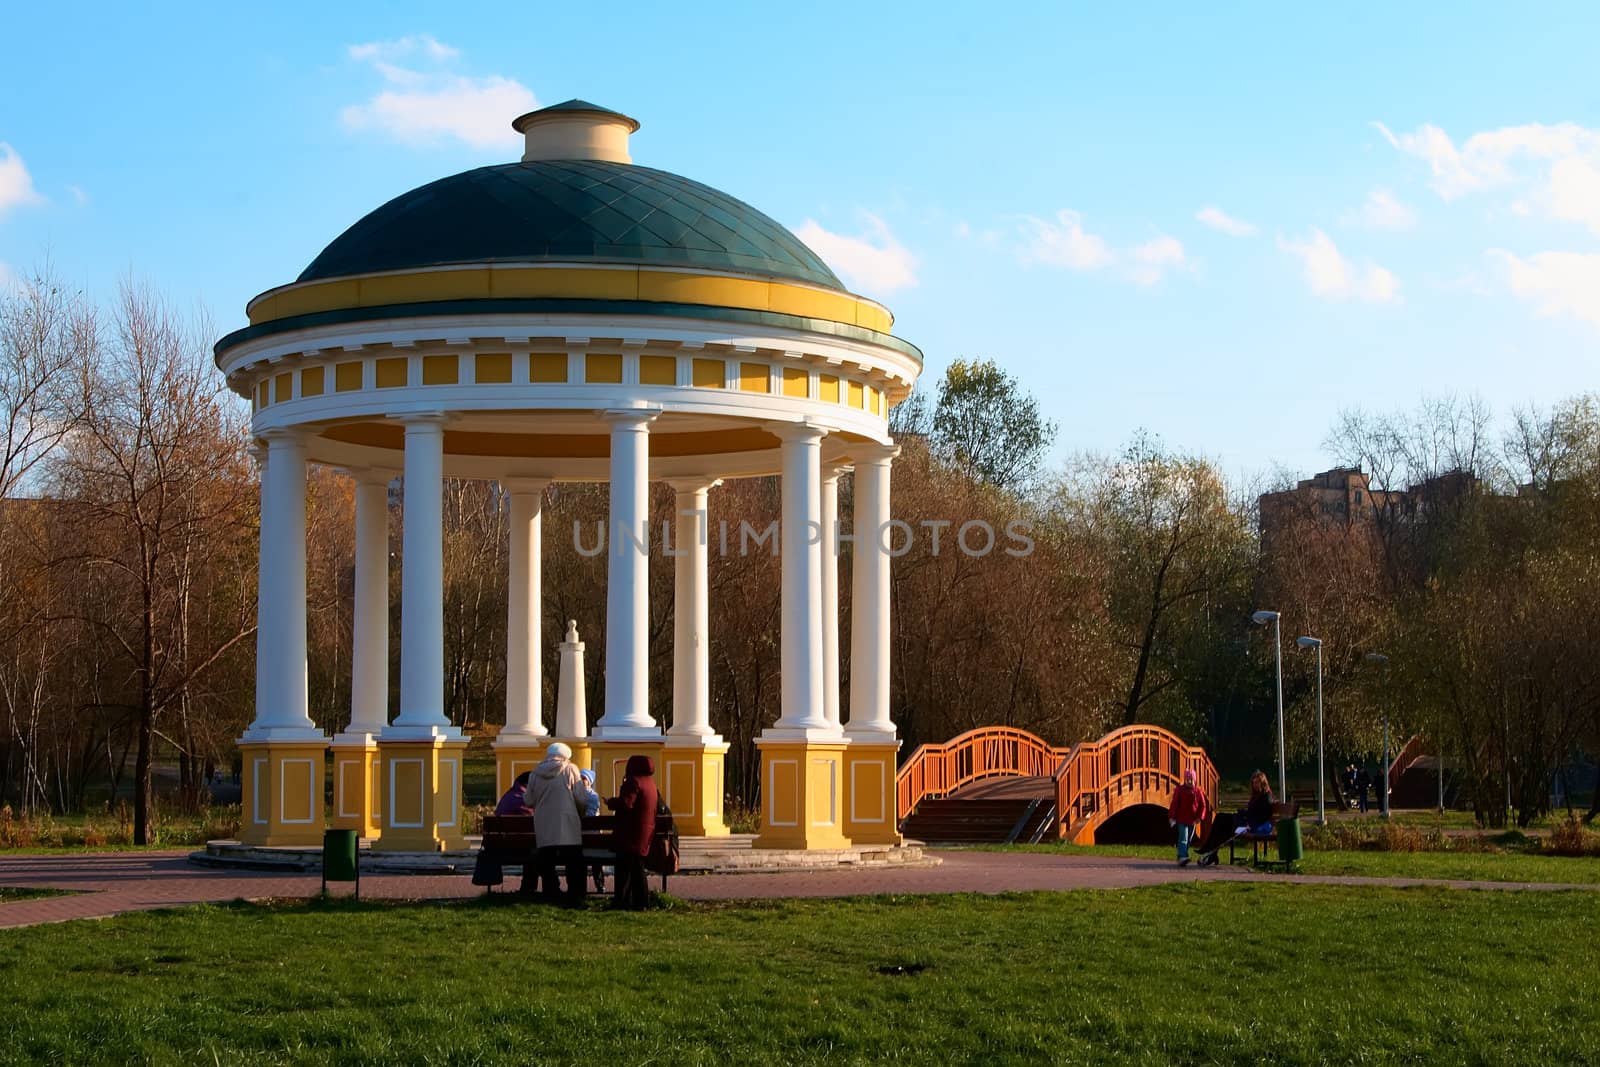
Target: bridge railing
[(987, 752), (1096, 776)]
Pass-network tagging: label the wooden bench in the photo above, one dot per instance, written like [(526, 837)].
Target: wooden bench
[(510, 840), (1259, 843)]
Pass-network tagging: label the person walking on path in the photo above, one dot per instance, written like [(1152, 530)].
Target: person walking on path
[(635, 805), (559, 797), (1186, 812)]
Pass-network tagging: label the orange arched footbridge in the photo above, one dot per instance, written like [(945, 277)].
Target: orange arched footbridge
[(1001, 783)]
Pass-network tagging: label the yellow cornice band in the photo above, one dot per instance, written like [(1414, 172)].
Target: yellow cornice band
[(617, 283)]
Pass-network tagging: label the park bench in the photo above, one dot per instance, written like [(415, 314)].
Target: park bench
[(1260, 843), (509, 841)]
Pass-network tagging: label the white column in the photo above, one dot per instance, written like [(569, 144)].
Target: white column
[(691, 628), (369, 646), (524, 645), (627, 707), (281, 597), (830, 595), (869, 618), (422, 586), (801, 704)]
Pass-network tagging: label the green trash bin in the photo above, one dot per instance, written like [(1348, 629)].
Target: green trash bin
[(340, 859), (1289, 847)]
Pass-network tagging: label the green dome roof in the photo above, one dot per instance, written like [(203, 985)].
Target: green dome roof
[(565, 211)]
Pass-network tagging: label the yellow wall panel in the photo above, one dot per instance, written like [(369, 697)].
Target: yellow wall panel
[(492, 368), (796, 381), (347, 377), (602, 369), (710, 373), (547, 367), (311, 381), (755, 378), (691, 289), (441, 370), (828, 388), (658, 370), (282, 388), (420, 288), (555, 283), (263, 394), (391, 373), (856, 394)]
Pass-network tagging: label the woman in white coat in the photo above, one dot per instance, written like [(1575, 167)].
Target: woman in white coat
[(559, 796)]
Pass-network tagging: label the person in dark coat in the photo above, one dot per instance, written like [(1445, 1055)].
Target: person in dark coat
[(635, 806), (515, 801)]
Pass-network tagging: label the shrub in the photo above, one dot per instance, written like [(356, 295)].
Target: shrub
[(1570, 837)]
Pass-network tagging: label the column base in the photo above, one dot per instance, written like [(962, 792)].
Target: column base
[(690, 775), (422, 795), (357, 789), (610, 762), (871, 809), (801, 793), (513, 755), (282, 792)]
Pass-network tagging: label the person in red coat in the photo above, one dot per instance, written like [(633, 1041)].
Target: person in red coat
[(635, 805), (1187, 811)]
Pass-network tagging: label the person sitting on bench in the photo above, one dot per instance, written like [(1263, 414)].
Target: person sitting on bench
[(515, 802), (1258, 812)]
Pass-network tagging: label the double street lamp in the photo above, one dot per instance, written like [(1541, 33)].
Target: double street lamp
[(1261, 618), (1322, 772)]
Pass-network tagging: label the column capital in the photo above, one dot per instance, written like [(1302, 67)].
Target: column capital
[(832, 472), (872, 453), (693, 483), (520, 484), (280, 435), (805, 432), (630, 418), (422, 421), (369, 475)]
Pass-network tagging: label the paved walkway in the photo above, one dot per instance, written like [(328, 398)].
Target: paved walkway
[(115, 882)]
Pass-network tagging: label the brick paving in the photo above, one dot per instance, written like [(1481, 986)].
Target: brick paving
[(111, 883)]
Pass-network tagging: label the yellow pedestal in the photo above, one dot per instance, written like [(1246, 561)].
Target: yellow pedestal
[(870, 817), (512, 757), (356, 788), (422, 795), (282, 792), (801, 793), (690, 778), (610, 762)]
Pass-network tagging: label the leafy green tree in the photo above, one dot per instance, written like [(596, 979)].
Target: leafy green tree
[(988, 427)]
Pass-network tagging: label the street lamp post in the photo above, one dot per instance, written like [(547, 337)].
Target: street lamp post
[(1261, 618), (1383, 661), (1322, 771)]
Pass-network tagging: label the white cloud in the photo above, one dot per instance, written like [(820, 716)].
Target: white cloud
[(425, 103), (1382, 211), (79, 197), (1554, 169), (1218, 219), (1062, 243), (1555, 283), (874, 262), (1154, 258), (16, 184), (1333, 277)]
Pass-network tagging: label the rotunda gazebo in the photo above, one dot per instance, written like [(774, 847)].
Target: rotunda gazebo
[(571, 317)]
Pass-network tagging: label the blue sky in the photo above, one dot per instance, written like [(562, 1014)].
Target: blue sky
[(1401, 202)]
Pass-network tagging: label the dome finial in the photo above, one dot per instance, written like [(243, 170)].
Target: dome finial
[(575, 129)]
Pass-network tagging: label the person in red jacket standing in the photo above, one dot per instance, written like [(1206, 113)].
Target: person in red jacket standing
[(1187, 811), (635, 805)]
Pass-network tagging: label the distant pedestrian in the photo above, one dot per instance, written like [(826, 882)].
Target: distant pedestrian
[(1186, 812), (1363, 787)]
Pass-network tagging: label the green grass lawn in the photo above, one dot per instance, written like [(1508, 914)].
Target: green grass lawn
[(14, 892), (1463, 866), (1178, 974)]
